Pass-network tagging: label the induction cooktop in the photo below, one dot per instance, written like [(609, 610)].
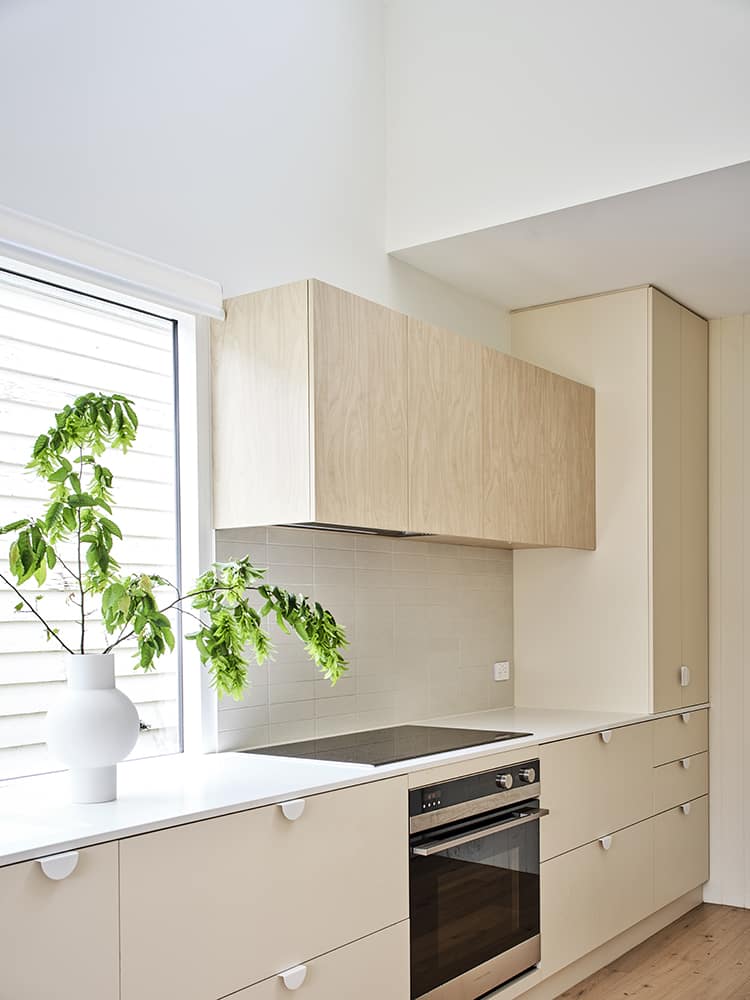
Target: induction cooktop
[(387, 746)]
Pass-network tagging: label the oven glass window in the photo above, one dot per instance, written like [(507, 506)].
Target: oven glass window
[(471, 903)]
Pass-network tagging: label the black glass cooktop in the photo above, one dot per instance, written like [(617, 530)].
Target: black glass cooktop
[(386, 746)]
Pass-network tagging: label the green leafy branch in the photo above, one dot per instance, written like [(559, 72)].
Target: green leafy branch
[(79, 515)]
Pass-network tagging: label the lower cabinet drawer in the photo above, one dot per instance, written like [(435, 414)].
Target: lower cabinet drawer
[(680, 781), (58, 927), (210, 908), (595, 784), (680, 851), (373, 968), (679, 736), (594, 893)]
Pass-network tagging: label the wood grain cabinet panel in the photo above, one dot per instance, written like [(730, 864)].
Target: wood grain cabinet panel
[(569, 463), (618, 763), (513, 449), (358, 410), (260, 439), (210, 908), (592, 894), (680, 851), (374, 968), (60, 938), (445, 432)]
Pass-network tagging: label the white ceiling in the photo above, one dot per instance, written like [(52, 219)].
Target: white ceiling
[(690, 237)]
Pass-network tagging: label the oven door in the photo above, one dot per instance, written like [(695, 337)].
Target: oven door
[(474, 903)]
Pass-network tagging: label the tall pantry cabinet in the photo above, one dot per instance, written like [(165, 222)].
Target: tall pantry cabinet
[(624, 627)]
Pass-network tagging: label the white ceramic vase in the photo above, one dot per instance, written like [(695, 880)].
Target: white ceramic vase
[(92, 727)]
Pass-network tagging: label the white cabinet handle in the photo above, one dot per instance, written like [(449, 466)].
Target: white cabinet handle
[(686, 808), (294, 978), (684, 676), (606, 842), (606, 736), (293, 809), (685, 762), (59, 866), (685, 717)]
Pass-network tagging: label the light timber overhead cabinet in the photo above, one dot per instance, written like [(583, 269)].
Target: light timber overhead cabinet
[(643, 596), (332, 410)]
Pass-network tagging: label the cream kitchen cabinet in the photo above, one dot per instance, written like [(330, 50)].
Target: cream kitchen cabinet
[(681, 735), (595, 784), (680, 850), (595, 892), (239, 899), (627, 626), (59, 927), (373, 968), (329, 409), (309, 410), (680, 781), (679, 346)]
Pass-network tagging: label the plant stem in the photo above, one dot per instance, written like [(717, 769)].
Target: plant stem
[(34, 611), (80, 566)]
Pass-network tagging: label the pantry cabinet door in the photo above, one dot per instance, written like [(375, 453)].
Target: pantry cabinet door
[(445, 432), (694, 497), (358, 409), (666, 467)]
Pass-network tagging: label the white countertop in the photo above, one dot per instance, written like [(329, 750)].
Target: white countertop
[(36, 818)]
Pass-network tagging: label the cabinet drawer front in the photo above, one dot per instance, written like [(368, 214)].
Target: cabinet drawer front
[(592, 787), (374, 968), (592, 894), (59, 938), (680, 851), (260, 893), (680, 781), (680, 736)]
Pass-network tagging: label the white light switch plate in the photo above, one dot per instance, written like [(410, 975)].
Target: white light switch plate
[(501, 670)]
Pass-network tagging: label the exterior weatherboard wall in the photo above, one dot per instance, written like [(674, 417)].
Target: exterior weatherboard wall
[(426, 622)]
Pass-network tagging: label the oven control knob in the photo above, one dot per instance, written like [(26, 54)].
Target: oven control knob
[(505, 780), (527, 775)]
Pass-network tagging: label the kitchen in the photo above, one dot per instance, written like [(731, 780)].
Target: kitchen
[(498, 483)]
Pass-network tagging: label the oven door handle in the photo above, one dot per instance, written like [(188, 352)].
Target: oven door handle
[(443, 845)]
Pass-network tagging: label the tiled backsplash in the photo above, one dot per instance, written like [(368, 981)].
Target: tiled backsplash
[(425, 622)]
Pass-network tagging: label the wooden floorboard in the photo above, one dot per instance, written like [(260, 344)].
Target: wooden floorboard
[(704, 955)]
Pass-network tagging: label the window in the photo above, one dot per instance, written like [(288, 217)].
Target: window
[(54, 346)]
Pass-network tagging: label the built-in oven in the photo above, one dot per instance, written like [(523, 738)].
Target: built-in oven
[(474, 882)]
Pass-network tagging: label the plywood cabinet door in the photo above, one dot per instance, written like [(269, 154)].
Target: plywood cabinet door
[(569, 464), (694, 500), (358, 408), (60, 938), (666, 471), (445, 432), (513, 449)]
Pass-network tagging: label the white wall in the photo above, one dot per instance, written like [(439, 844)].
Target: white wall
[(243, 141), (729, 609), (501, 110)]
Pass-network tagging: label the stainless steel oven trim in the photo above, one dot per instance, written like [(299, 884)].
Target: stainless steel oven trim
[(436, 847), (480, 980), (464, 810)]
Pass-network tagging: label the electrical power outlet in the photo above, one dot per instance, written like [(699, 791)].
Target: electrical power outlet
[(501, 670)]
